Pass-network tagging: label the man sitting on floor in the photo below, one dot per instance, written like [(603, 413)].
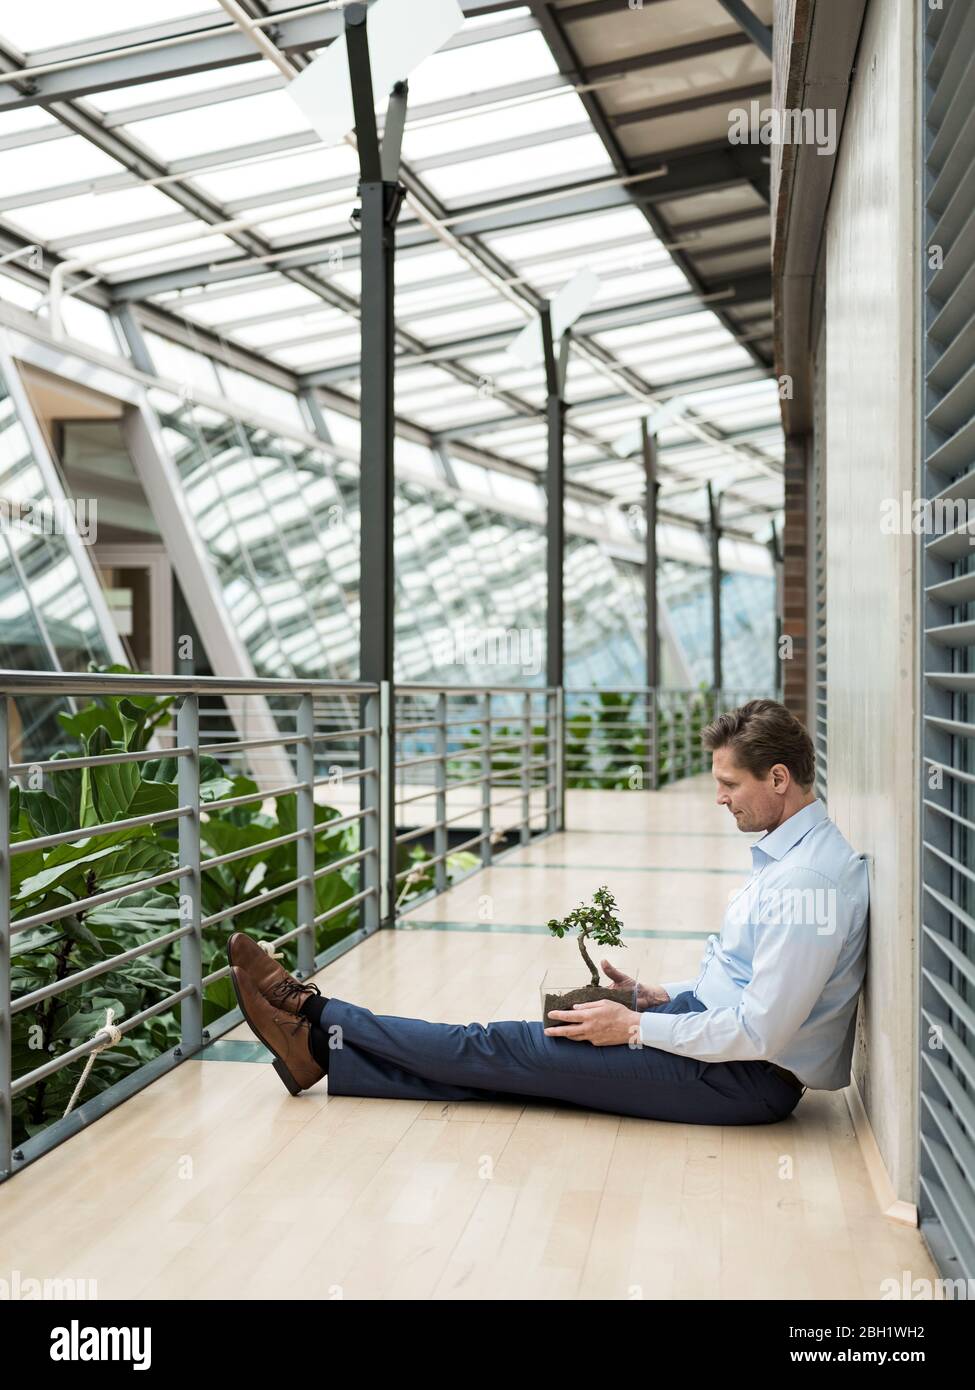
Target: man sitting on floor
[(771, 1012)]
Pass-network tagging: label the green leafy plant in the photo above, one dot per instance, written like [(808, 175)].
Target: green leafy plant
[(44, 880), (598, 920)]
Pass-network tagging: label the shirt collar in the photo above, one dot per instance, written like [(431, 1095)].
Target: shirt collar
[(777, 843)]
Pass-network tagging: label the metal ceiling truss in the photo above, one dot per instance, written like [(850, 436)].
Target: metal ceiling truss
[(142, 58)]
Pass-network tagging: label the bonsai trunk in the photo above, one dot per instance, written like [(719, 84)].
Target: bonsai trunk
[(586, 957)]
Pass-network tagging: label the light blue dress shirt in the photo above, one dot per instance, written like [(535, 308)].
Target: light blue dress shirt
[(781, 982)]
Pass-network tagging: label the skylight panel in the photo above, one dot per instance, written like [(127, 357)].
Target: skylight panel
[(66, 21), (666, 279), (88, 216), (457, 131), (474, 68), (157, 259), (563, 236), (209, 81), (34, 168), (485, 179), (308, 356), (226, 124), (458, 413), (699, 364), (428, 265), (27, 118), (321, 221), (247, 179), (279, 295), (462, 321)]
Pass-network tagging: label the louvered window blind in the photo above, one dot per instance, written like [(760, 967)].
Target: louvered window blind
[(947, 946)]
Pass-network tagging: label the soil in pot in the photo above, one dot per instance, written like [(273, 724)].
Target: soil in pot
[(586, 994)]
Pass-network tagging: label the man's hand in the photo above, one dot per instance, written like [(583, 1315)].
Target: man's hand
[(601, 1023), (646, 995)]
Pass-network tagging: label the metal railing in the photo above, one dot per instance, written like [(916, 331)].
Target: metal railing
[(475, 759), (156, 835), (308, 813), (638, 737)]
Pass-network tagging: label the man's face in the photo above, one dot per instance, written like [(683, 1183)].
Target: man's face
[(753, 801)]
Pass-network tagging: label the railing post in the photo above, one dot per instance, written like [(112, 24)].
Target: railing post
[(440, 799), (6, 1037), (672, 741), (654, 768), (526, 771), (369, 803), (560, 758), (487, 849), (688, 745), (305, 824), (551, 758), (191, 945), (387, 806)]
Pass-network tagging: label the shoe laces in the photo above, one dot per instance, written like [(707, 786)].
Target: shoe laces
[(289, 988)]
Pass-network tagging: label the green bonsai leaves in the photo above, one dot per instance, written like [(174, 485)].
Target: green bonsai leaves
[(598, 920)]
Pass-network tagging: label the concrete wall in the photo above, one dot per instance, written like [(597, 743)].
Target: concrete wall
[(871, 297)]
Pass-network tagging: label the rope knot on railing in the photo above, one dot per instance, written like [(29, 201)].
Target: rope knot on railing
[(268, 948), (114, 1037)]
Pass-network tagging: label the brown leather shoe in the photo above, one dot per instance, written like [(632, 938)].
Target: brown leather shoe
[(284, 1034), (279, 988)]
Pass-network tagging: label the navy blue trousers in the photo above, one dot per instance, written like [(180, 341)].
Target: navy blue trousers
[(409, 1059)]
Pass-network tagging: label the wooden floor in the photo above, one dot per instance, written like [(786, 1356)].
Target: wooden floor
[(214, 1182)]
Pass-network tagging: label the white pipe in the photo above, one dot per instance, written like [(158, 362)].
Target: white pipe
[(32, 251), (260, 40)]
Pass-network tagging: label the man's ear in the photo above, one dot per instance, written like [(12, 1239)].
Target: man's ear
[(781, 778)]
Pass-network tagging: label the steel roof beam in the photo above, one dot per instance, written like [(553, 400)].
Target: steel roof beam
[(750, 24), (656, 58), (700, 101)]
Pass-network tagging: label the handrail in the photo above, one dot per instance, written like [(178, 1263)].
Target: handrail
[(432, 771)]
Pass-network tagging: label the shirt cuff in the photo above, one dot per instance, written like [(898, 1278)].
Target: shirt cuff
[(657, 1030), (676, 987)]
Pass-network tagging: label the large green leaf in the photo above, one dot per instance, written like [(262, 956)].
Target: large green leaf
[(133, 724), (110, 856), (47, 815), (223, 836), (153, 797), (139, 910), (64, 872), (98, 742), (134, 861), (83, 722), (65, 784)]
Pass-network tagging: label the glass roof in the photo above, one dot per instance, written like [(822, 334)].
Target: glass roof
[(129, 178)]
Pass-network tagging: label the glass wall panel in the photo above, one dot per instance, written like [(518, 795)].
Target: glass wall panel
[(47, 622)]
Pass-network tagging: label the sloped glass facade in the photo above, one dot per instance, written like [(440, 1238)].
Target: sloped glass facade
[(280, 523), (47, 622)]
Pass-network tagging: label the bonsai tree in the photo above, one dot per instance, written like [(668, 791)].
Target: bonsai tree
[(600, 921)]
